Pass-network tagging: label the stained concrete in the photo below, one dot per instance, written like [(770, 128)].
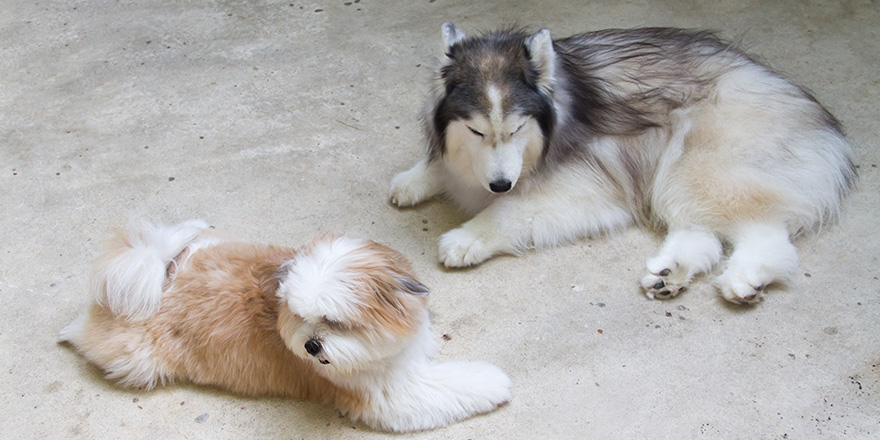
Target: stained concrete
[(279, 120)]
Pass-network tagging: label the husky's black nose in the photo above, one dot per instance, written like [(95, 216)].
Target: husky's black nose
[(500, 186), (313, 347)]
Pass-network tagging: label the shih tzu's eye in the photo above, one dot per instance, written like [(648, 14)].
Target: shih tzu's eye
[(518, 129), (332, 324), (475, 131)]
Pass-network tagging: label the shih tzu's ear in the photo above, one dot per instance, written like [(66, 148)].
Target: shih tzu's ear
[(412, 286), (451, 37), (543, 56)]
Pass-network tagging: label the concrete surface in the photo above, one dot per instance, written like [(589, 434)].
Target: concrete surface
[(277, 120)]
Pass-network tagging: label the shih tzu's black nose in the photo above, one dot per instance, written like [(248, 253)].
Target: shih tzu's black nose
[(500, 186), (313, 347)]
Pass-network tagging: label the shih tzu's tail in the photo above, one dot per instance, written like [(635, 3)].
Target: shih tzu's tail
[(129, 277)]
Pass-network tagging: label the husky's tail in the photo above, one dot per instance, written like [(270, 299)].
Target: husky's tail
[(129, 277)]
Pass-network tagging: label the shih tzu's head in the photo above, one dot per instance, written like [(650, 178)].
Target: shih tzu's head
[(347, 304)]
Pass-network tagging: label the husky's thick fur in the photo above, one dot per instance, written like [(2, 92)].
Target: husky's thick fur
[(341, 321), (548, 141)]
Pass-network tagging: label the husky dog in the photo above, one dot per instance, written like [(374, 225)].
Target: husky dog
[(548, 141), (341, 321)]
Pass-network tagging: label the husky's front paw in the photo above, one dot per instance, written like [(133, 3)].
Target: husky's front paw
[(461, 248), (413, 186)]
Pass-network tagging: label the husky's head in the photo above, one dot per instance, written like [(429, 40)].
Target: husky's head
[(492, 112)]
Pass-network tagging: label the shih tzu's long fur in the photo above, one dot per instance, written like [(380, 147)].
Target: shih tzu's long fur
[(341, 321), (546, 141)]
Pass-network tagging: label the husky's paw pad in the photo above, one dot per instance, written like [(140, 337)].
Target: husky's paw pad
[(659, 286), (665, 281)]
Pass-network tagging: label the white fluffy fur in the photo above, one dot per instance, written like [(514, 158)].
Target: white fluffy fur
[(130, 283), (433, 395), (320, 283)]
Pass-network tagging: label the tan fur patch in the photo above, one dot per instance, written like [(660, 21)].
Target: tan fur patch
[(715, 178), (384, 305)]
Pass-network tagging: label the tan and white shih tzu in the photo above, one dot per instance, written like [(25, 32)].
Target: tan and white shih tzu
[(341, 321)]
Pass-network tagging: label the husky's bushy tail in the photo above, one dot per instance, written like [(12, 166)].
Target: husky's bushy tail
[(128, 278)]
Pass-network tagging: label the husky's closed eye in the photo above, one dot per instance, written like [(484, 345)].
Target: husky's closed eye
[(518, 128)]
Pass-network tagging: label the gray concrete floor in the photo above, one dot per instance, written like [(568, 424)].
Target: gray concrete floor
[(277, 120)]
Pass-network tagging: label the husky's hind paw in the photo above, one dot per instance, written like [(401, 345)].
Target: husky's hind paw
[(461, 248), (739, 291), (665, 283)]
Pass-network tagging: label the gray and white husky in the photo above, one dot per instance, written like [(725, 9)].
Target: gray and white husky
[(547, 141)]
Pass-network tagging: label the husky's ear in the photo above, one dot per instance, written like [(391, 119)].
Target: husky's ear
[(540, 50), (451, 36), (412, 286)]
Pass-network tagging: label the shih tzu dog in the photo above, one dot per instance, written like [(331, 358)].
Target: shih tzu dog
[(341, 321)]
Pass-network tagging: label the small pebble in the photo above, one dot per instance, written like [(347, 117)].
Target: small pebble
[(202, 418)]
